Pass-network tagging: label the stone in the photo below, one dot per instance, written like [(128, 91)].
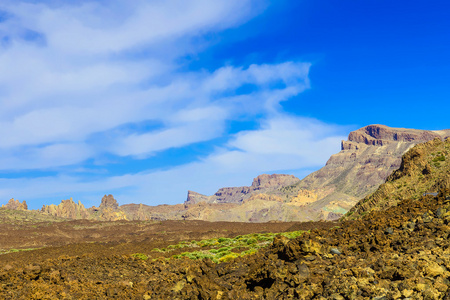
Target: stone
[(389, 230), (433, 269), (335, 251)]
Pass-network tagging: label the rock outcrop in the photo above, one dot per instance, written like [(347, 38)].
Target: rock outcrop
[(16, 205), (67, 209), (108, 210)]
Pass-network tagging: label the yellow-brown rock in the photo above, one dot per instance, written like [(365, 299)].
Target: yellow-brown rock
[(16, 205)]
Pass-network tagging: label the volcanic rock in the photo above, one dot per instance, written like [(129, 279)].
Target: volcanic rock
[(109, 202), (67, 209), (262, 184), (16, 205)]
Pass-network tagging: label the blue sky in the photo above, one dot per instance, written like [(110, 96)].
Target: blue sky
[(149, 99)]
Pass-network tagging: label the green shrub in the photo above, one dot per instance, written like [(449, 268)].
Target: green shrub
[(223, 249), (251, 241), (223, 239), (228, 257), (140, 256), (439, 158)]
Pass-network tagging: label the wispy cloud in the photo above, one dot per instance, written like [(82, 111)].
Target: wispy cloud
[(76, 80)]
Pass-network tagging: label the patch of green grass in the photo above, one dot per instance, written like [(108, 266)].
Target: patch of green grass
[(15, 250), (225, 249), (140, 256), (439, 158)]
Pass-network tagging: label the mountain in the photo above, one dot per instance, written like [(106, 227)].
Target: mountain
[(366, 159), (424, 170), (261, 184)]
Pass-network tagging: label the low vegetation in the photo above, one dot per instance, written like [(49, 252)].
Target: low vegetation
[(21, 217), (2, 251), (224, 249)]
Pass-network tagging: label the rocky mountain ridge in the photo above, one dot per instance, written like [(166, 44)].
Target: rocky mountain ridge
[(366, 159), (262, 184)]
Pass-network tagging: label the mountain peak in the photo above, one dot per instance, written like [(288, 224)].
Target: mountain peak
[(379, 135)]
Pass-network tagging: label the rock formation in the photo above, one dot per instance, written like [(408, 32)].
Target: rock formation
[(16, 205), (108, 210), (262, 184), (67, 209)]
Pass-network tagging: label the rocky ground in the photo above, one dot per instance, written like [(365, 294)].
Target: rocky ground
[(81, 252), (401, 253)]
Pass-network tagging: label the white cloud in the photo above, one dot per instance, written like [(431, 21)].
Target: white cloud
[(292, 143), (74, 76), (102, 27)]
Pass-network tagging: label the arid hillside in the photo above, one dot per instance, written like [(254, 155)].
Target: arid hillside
[(425, 169)]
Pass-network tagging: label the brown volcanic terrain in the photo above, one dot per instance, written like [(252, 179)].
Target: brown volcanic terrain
[(401, 253)]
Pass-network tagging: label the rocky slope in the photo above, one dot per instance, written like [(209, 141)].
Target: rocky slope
[(425, 169)]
